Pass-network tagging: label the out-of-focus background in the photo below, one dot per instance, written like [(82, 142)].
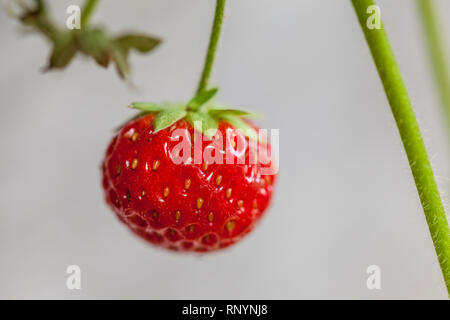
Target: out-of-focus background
[(345, 197)]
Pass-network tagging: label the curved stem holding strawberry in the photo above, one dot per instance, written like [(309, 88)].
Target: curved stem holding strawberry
[(213, 41), (184, 198), (408, 127)]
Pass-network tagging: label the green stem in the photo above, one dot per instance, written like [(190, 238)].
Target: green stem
[(402, 110), (437, 52), (213, 41), (87, 11)]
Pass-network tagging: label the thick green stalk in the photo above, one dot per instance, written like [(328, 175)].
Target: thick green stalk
[(416, 152), (213, 41), (437, 52), (87, 11)]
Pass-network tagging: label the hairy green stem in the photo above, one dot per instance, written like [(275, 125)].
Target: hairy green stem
[(87, 11), (213, 41), (402, 110), (437, 52)]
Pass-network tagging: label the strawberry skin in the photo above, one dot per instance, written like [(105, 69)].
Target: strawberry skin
[(187, 206)]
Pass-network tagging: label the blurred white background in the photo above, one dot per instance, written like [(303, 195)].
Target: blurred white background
[(345, 197)]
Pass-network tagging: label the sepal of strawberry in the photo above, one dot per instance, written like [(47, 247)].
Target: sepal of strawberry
[(94, 42), (202, 112)]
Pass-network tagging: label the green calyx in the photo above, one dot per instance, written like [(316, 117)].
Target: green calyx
[(201, 112), (91, 41)]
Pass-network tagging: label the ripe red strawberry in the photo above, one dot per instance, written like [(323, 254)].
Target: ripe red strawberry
[(187, 206)]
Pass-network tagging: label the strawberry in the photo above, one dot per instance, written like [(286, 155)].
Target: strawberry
[(188, 206)]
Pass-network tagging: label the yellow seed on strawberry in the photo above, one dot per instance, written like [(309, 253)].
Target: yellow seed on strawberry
[(218, 179), (199, 202), (166, 192), (134, 163), (187, 183), (155, 165), (230, 225)]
